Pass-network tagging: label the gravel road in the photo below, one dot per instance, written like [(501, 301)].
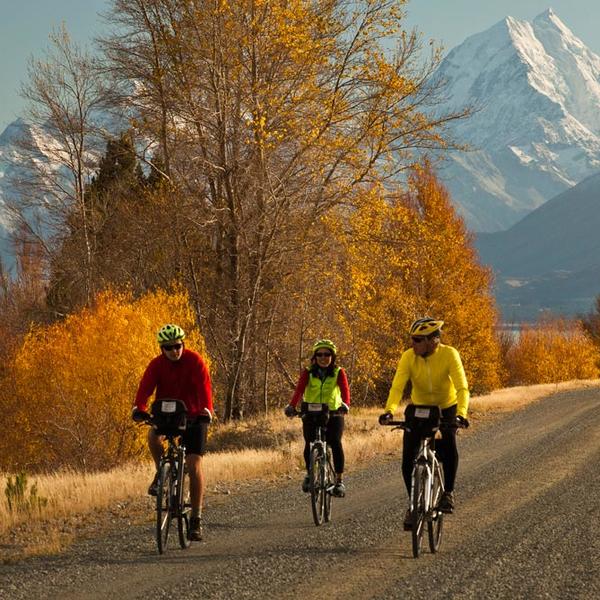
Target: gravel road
[(527, 526)]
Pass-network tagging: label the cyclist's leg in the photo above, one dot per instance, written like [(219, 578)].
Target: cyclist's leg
[(309, 431), (155, 444), (447, 450), (335, 430), (195, 439), (410, 447)]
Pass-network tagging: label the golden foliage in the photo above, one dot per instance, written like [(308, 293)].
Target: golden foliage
[(556, 349), (75, 380), (410, 256)]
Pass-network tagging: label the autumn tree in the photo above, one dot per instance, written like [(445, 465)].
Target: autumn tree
[(267, 115), (73, 382), (544, 353), (409, 255), (58, 153)]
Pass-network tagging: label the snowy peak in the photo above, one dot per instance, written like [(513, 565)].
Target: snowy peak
[(536, 130)]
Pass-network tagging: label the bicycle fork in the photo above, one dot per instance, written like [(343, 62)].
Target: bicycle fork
[(427, 491)]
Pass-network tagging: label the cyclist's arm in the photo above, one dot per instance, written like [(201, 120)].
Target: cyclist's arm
[(342, 382), (205, 391), (300, 387), (459, 379), (400, 378), (146, 388)]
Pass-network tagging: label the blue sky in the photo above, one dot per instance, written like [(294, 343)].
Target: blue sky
[(25, 25)]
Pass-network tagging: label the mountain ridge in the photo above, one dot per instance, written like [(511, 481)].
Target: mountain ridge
[(536, 130)]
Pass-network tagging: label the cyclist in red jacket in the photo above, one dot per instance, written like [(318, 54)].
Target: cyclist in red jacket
[(182, 374)]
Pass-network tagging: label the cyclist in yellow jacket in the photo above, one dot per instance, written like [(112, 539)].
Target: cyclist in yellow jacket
[(437, 376)]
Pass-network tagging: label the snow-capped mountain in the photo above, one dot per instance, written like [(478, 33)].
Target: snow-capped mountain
[(14, 166), (536, 129)]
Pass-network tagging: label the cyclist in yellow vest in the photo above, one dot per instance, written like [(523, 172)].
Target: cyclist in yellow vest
[(324, 383), (437, 376)]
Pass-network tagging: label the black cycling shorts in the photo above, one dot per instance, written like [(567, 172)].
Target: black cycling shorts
[(195, 437)]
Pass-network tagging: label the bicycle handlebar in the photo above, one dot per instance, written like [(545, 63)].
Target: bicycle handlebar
[(404, 425)]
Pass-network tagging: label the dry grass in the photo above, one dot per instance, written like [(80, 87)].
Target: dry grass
[(278, 454)]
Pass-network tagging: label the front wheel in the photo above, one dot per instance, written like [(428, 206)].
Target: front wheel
[(435, 525), (317, 489), (418, 508), (329, 484), (164, 500), (184, 506)]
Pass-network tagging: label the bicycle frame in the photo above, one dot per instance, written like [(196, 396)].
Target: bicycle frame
[(320, 473), (427, 458), (427, 481)]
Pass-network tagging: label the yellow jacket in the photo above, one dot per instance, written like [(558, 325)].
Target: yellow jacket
[(437, 379)]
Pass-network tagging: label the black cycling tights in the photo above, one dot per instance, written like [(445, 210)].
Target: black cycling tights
[(335, 428), (445, 449)]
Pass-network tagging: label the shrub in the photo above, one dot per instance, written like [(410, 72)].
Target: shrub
[(17, 498), (554, 350), (75, 381)]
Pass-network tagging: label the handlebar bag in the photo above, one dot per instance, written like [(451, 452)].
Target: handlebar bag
[(424, 420), (169, 416)]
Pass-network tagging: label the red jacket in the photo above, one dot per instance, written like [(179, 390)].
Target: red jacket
[(185, 379)]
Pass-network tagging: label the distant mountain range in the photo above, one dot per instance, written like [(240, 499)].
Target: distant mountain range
[(537, 129), (550, 260)]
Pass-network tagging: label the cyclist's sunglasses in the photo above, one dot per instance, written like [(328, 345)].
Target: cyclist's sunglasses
[(173, 346), (419, 338), (322, 354)]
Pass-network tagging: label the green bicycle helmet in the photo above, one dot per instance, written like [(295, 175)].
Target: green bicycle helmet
[(324, 344), (170, 333)]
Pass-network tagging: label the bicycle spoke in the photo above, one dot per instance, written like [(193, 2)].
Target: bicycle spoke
[(163, 506), (418, 511), (316, 485), (436, 522), (183, 504)]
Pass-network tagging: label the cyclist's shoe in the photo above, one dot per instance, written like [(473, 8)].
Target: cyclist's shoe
[(195, 533), (447, 503), (339, 490), (407, 520), (153, 489), (306, 485)]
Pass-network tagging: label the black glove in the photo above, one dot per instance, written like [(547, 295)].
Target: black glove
[(343, 409), (385, 418), (289, 411), (462, 422), (139, 416)]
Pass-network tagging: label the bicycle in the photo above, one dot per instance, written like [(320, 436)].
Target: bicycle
[(427, 480), (321, 472), (173, 495)]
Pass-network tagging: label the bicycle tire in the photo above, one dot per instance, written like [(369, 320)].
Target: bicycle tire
[(435, 524), (418, 508), (317, 495), (184, 507), (328, 484), (164, 499)]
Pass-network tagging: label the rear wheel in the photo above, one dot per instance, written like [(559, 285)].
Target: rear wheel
[(164, 499), (435, 524), (317, 492), (184, 506), (418, 508)]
